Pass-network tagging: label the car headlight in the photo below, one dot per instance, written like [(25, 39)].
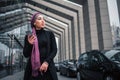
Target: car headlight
[(73, 68)]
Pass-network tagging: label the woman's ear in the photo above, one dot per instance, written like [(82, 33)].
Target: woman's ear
[(34, 23)]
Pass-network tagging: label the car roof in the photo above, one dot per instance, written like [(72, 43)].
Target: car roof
[(111, 53), (94, 51)]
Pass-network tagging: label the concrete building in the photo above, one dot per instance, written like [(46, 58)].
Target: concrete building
[(79, 25), (2, 56), (118, 2)]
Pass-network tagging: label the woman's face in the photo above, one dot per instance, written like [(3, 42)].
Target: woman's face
[(39, 22)]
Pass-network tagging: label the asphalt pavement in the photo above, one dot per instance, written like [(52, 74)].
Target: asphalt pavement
[(19, 76)]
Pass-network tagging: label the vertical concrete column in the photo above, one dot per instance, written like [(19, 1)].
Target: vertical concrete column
[(58, 49), (66, 43), (118, 5), (93, 24), (81, 27), (105, 24), (70, 42), (86, 26), (90, 25), (62, 48)]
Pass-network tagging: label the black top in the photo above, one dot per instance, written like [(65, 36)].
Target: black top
[(42, 43), (48, 50)]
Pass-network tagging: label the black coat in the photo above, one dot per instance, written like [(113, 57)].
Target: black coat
[(49, 57)]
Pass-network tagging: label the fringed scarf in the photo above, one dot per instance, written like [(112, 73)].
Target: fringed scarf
[(35, 55)]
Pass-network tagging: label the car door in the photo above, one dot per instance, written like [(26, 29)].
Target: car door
[(99, 65), (83, 65), (95, 72), (89, 66), (65, 67)]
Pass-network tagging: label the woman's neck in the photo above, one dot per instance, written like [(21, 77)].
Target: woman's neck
[(38, 28)]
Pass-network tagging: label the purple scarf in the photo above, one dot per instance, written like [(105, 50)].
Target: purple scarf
[(35, 55)]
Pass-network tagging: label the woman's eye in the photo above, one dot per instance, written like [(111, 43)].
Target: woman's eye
[(39, 18)]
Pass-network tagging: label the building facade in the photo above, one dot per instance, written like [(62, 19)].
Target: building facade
[(79, 25)]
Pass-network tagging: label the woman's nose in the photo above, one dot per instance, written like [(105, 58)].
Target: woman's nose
[(43, 21)]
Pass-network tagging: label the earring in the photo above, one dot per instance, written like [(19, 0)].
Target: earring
[(34, 23)]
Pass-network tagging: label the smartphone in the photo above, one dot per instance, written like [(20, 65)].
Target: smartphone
[(29, 33)]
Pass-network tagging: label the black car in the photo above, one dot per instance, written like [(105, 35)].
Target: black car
[(1, 66), (113, 55), (68, 68), (94, 65), (57, 66)]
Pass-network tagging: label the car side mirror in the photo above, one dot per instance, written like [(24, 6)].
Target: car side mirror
[(94, 62), (78, 67), (83, 65)]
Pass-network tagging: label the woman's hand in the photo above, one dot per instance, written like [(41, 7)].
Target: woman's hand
[(44, 67), (31, 38)]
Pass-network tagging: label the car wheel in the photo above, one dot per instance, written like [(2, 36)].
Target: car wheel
[(78, 76), (60, 72), (68, 74), (108, 77)]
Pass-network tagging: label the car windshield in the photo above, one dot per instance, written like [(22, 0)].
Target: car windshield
[(113, 55), (71, 63), (116, 57)]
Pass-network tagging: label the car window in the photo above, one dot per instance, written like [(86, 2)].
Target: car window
[(71, 63), (101, 58), (83, 57), (98, 57), (94, 58), (64, 62), (116, 57)]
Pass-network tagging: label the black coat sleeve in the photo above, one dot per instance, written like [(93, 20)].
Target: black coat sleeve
[(53, 48), (27, 48)]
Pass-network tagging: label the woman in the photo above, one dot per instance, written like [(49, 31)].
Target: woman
[(41, 49)]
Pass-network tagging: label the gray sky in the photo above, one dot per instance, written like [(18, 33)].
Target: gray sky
[(113, 12)]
